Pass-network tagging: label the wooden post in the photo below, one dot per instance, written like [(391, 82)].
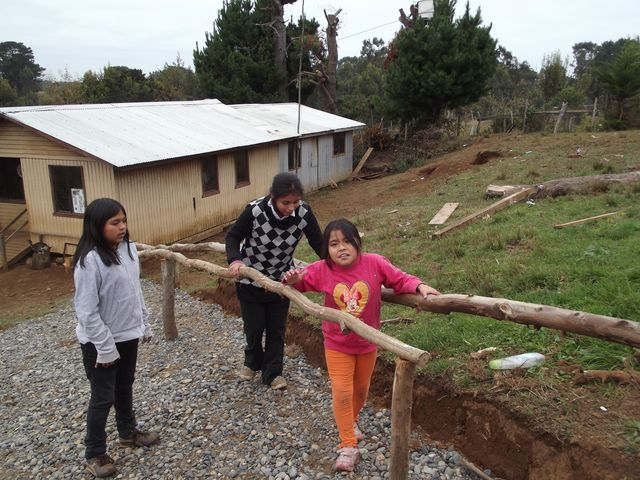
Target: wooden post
[(176, 274), (401, 403), (168, 299), (595, 109), (524, 120), (560, 115), (3, 254)]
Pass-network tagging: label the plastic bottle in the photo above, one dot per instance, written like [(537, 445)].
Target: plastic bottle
[(524, 360)]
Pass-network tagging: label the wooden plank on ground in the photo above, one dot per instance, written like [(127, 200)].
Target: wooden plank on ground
[(584, 220), (494, 207), (365, 157), (444, 213)]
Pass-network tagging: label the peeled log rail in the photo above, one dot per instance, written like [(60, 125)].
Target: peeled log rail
[(401, 349), (618, 330), (613, 329)]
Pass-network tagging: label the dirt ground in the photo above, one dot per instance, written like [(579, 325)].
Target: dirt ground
[(488, 426)]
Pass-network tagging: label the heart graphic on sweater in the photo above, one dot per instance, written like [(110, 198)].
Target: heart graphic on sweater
[(351, 300)]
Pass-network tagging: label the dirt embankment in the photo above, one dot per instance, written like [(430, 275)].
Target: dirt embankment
[(483, 429)]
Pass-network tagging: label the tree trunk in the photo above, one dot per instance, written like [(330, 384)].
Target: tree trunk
[(565, 186), (332, 62), (277, 18)]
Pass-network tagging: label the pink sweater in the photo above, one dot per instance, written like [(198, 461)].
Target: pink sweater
[(355, 290)]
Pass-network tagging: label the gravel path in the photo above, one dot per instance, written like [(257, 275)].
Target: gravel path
[(211, 425)]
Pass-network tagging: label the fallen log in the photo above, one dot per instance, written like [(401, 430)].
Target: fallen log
[(618, 330), (619, 376), (566, 186)]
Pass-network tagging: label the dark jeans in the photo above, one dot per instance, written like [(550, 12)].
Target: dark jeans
[(263, 311), (109, 386)]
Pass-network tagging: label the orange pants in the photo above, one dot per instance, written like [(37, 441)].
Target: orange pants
[(350, 378)]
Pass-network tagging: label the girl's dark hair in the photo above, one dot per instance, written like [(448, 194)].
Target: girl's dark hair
[(285, 184), (95, 217), (349, 231)]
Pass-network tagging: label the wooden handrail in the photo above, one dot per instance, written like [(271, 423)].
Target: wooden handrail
[(401, 349), (16, 231), (4, 229), (618, 330)]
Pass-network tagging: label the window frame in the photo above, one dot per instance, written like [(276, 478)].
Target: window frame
[(66, 213), (297, 154), (208, 161), (241, 156), (9, 177), (339, 147)]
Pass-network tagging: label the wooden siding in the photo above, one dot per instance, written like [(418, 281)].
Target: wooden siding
[(36, 153), (319, 167), (19, 142), (333, 168), (9, 211), (165, 203), (58, 229)]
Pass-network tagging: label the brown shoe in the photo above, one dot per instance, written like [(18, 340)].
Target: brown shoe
[(101, 466), (140, 439)]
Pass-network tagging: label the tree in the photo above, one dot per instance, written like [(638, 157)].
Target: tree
[(174, 82), (621, 77), (313, 53), (66, 91), (280, 43), (8, 95), (439, 64), (17, 66), (553, 75), (236, 64), (361, 82), (115, 85)]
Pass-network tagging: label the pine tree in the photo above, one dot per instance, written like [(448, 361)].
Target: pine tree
[(439, 64)]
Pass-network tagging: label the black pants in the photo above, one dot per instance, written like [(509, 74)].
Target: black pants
[(109, 386), (263, 311)]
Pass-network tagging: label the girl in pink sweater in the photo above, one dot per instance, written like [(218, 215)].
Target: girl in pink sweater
[(351, 281)]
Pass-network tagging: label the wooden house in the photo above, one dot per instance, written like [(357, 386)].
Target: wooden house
[(182, 170)]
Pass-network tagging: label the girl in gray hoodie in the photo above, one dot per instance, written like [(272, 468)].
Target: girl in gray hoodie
[(112, 318)]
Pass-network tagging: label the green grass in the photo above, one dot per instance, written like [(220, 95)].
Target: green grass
[(518, 255)]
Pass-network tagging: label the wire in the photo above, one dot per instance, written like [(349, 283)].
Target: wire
[(368, 30)]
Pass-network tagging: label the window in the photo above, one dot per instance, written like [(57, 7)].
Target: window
[(11, 188), (67, 188), (210, 176), (241, 161), (338, 143), (294, 155)]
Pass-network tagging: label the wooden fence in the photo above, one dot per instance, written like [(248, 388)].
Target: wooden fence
[(408, 357)]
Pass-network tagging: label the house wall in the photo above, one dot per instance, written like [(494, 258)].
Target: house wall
[(319, 167), (165, 203), (36, 153), (333, 168)]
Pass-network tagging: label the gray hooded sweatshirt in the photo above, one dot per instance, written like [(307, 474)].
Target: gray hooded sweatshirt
[(109, 304)]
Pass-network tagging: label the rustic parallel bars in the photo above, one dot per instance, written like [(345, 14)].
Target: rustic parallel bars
[(613, 329), (408, 356)]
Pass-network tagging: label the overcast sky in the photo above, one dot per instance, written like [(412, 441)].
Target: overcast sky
[(83, 35)]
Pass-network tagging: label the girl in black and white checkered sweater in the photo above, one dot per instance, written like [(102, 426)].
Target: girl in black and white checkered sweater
[(264, 237)]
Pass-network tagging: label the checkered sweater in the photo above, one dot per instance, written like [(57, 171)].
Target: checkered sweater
[(267, 244)]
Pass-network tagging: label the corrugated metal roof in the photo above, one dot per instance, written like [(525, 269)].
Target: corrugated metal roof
[(126, 134)]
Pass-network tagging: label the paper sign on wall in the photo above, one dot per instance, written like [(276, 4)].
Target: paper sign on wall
[(77, 196)]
